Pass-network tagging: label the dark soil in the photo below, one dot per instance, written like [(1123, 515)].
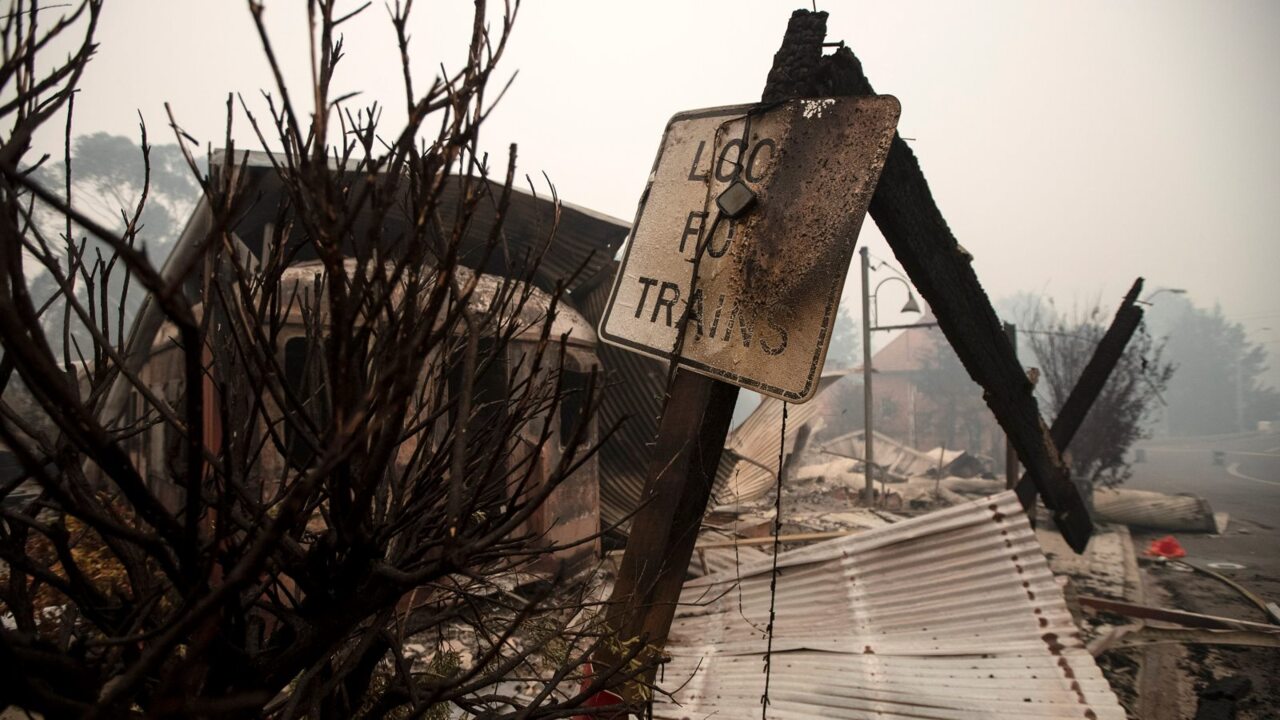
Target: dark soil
[(1206, 665)]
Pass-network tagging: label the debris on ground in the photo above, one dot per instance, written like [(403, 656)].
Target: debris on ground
[(1117, 607), (937, 616), (1108, 568), (1267, 607), (901, 460), (1166, 547), (1218, 701), (1158, 511), (1189, 669), (1155, 625)]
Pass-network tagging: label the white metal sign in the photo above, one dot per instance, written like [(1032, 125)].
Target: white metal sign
[(743, 238)]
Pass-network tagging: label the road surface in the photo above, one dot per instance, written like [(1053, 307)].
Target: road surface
[(1246, 485)]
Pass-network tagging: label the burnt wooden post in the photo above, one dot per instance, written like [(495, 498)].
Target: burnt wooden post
[(1094, 377), (691, 436), (682, 470), (904, 210)]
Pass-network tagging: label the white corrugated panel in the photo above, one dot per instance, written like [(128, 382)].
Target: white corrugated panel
[(1143, 508), (900, 459), (707, 561), (951, 615), (749, 469)]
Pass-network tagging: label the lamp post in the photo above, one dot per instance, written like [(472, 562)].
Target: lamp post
[(1168, 419), (867, 403), (1157, 291), (1239, 391), (868, 454)]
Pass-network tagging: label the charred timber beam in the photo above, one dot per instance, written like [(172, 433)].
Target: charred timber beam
[(904, 210), (1010, 452), (691, 436), (1094, 378)]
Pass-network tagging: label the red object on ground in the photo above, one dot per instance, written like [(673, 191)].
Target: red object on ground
[(1167, 547), (604, 698)]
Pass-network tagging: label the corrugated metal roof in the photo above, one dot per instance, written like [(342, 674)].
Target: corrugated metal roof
[(898, 458), (584, 241), (718, 559), (951, 615), (633, 396), (749, 466)]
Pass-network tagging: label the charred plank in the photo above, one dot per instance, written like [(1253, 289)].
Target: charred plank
[(1094, 378), (904, 210)]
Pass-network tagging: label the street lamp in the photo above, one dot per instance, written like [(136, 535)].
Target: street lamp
[(1168, 418), (911, 307), (867, 405), (1175, 291)]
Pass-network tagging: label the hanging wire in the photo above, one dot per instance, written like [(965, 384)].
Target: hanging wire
[(773, 577), (737, 569)]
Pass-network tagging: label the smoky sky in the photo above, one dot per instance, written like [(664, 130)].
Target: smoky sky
[(1072, 146)]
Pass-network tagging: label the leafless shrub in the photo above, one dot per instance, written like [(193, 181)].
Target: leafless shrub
[(1063, 345), (315, 482)]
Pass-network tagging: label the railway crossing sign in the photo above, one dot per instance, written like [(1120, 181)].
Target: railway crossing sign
[(743, 238)]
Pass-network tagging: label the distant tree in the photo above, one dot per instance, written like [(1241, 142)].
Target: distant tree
[(1219, 387), (1062, 346), (1263, 404), (110, 179), (108, 174), (951, 406), (846, 345)]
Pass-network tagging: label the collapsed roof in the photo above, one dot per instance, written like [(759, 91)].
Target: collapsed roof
[(953, 615), (583, 243)]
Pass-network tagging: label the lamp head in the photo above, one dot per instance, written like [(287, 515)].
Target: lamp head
[(912, 306)]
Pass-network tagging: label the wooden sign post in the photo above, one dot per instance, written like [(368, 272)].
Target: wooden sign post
[(733, 273), (750, 203)]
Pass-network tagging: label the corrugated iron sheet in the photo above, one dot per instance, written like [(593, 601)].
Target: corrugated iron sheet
[(898, 458), (582, 244), (1143, 508), (951, 615), (749, 466), (717, 559), (635, 388)]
